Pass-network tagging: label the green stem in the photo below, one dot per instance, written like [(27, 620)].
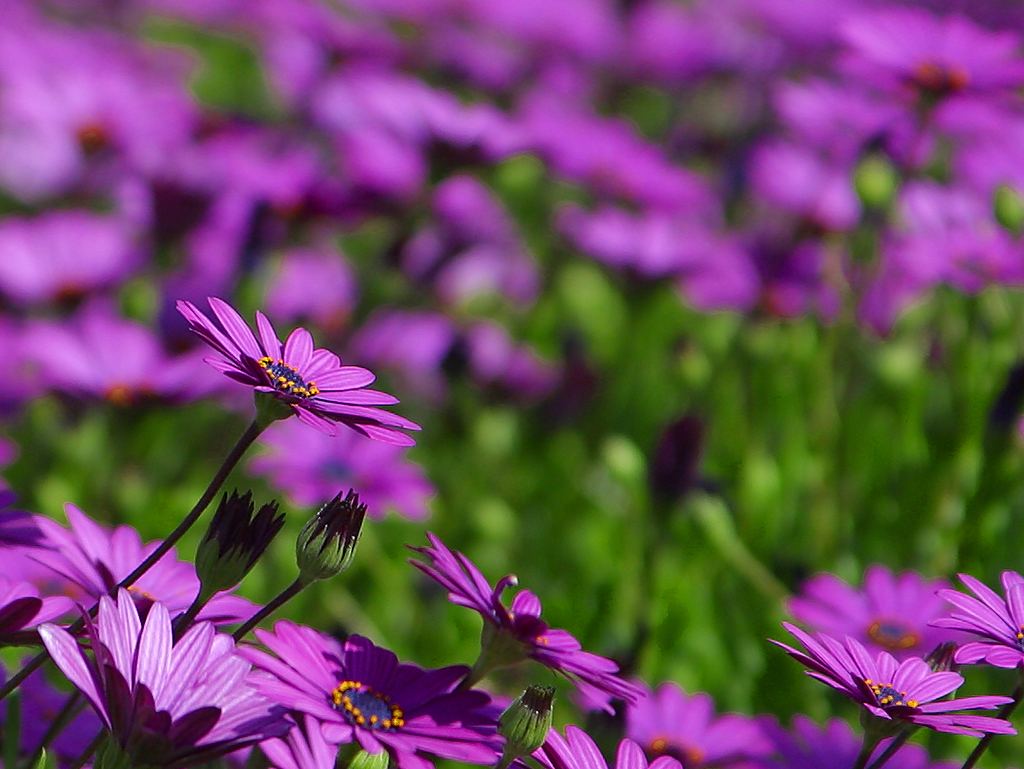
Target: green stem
[(1005, 712), (183, 621), (278, 601)]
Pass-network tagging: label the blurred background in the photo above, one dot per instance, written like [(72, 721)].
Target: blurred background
[(693, 300)]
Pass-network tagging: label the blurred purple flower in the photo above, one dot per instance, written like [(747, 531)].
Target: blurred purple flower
[(593, 675), (577, 751), (312, 284), (670, 722), (999, 621), (892, 612), (165, 703), (312, 467), (312, 382), (907, 691), (361, 694), (22, 608)]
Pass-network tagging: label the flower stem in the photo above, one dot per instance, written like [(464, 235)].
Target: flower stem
[(1004, 712), (183, 621), (277, 602), (894, 746), (244, 442), (867, 747)]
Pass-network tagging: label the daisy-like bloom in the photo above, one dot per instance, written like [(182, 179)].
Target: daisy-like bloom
[(908, 691), (577, 751), (312, 382), (93, 559), (360, 693), (891, 612), (304, 747), (1000, 621), (670, 722), (165, 703), (23, 608), (513, 633)]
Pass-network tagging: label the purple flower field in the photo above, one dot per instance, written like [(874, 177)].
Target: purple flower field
[(679, 341)]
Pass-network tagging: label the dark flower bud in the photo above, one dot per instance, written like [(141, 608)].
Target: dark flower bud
[(940, 659), (235, 541), (1006, 409), (675, 465), (327, 544), (526, 722)]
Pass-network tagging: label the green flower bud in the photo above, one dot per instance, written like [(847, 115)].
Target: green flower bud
[(327, 544), (875, 181), (234, 541), (526, 722), (1009, 208)]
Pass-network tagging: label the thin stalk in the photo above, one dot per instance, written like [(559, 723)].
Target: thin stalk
[(1004, 712), (244, 442), (71, 708), (890, 751), (183, 621), (277, 602)]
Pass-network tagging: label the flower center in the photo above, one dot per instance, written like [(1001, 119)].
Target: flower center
[(363, 706), (690, 757), (893, 635), (285, 378), (939, 79), (888, 697), (1020, 638)]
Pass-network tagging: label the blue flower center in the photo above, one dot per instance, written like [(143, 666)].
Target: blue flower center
[(888, 697), (285, 377), (893, 635), (362, 706), (1020, 638)]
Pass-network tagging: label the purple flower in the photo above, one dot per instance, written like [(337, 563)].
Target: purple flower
[(23, 608), (360, 693), (93, 559), (311, 467), (304, 747), (834, 746), (999, 621), (891, 613), (577, 751), (313, 284), (670, 722), (312, 382), (907, 691), (165, 703), (594, 676)]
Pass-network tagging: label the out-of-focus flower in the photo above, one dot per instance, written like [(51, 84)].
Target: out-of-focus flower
[(892, 691), (670, 722), (310, 467), (312, 284), (675, 464), (93, 559), (577, 751), (511, 634), (515, 370), (63, 255), (165, 703), (23, 608), (1000, 621), (892, 612), (311, 382), (360, 693)]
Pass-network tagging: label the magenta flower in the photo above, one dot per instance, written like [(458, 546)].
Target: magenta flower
[(93, 559), (577, 751), (165, 703), (594, 676), (23, 608), (999, 621), (908, 691), (360, 693), (890, 613), (311, 467), (304, 747), (670, 722), (312, 382)]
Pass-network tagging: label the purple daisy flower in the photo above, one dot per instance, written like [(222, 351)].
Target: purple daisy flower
[(360, 693), (93, 559), (999, 621), (312, 382), (890, 613), (577, 751), (670, 722), (303, 748), (593, 675), (908, 691), (23, 608), (171, 703)]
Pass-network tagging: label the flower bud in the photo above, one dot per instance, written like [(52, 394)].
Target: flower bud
[(941, 658), (1008, 206), (526, 722), (327, 544), (675, 466), (875, 181), (235, 540)]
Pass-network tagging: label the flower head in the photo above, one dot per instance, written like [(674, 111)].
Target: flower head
[(165, 703), (327, 543), (311, 383), (360, 693), (577, 751), (669, 722), (521, 628), (907, 691), (235, 540), (890, 613), (1000, 621)]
